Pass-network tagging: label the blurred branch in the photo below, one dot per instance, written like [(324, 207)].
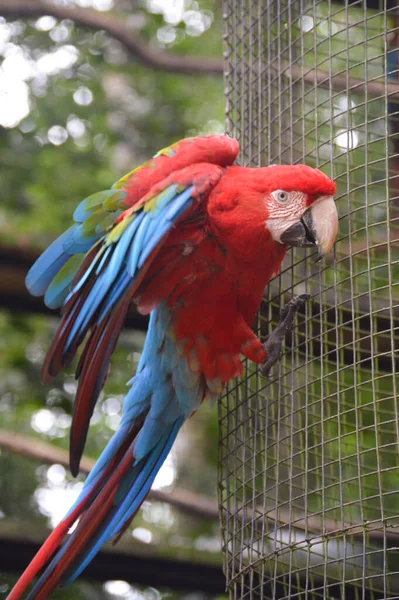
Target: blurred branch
[(203, 507), (188, 502), (91, 19), (177, 63), (340, 83), (376, 530)]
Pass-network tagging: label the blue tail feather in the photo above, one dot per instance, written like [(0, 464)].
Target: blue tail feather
[(145, 479), (131, 499)]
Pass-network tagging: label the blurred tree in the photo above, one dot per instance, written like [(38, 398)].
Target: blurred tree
[(75, 89)]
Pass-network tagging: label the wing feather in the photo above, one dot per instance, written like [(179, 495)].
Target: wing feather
[(95, 268)]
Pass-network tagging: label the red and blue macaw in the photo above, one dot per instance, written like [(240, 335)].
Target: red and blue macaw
[(192, 239)]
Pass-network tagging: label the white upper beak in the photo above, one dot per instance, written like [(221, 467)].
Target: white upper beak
[(317, 227), (325, 222)]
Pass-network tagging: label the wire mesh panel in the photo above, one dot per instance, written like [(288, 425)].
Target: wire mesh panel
[(309, 474)]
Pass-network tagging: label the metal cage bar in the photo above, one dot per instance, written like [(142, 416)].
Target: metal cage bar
[(309, 458)]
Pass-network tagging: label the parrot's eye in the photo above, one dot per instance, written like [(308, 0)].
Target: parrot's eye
[(281, 196)]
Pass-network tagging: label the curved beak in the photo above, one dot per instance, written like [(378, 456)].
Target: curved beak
[(318, 226)]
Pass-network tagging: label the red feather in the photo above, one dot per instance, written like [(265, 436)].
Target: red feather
[(93, 508), (214, 149)]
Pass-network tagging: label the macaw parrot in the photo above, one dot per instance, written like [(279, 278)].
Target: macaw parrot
[(192, 239)]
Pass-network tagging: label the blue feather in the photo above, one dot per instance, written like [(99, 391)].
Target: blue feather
[(138, 398), (86, 312), (158, 215), (179, 204), (97, 295), (118, 289), (103, 260), (121, 247), (106, 456), (171, 354), (147, 475), (150, 433), (151, 343), (39, 277), (165, 221), (156, 226), (47, 265), (168, 358), (136, 248), (189, 399), (77, 242), (134, 497), (160, 399), (162, 230), (165, 197), (100, 256), (153, 226)]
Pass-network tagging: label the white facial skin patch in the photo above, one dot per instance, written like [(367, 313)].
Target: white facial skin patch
[(282, 215)]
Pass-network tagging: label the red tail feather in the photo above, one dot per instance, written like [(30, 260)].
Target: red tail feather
[(93, 508), (45, 553)]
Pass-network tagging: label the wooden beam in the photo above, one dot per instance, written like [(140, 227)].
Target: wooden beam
[(137, 569)]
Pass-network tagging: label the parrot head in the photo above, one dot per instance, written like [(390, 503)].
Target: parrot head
[(282, 205), (301, 210)]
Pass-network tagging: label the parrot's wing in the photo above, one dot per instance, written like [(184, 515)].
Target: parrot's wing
[(96, 288), (53, 273)]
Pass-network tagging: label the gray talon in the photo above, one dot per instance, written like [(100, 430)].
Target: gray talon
[(274, 342)]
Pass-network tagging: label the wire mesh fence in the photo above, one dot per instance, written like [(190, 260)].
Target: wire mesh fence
[(309, 475)]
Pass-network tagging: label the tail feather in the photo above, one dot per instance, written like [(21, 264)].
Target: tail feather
[(120, 517), (93, 483), (104, 509)]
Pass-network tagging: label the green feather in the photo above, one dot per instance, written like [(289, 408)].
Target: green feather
[(168, 151), (109, 199), (107, 222), (118, 184), (115, 200), (89, 226), (59, 287)]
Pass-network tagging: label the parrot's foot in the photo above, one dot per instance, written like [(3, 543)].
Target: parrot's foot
[(274, 342)]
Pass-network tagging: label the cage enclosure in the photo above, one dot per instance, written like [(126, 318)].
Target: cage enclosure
[(309, 477)]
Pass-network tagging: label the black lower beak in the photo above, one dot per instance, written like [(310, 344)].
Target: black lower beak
[(300, 234)]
